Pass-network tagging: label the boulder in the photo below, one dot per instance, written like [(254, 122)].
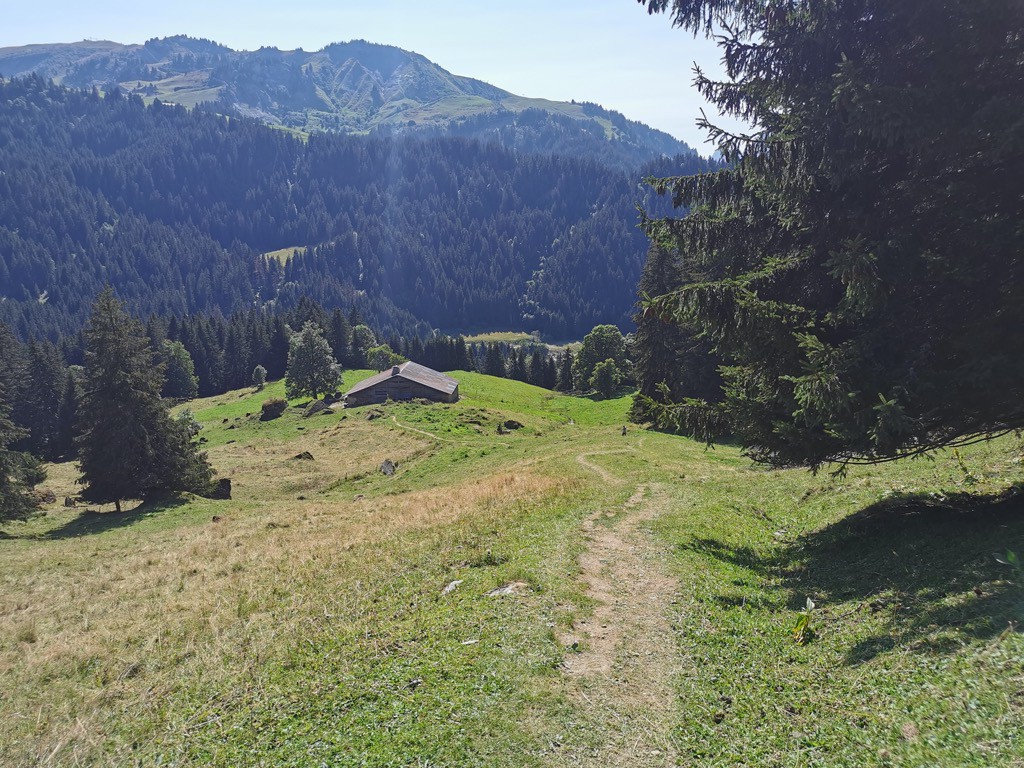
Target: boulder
[(272, 408), (304, 456), (317, 407), (388, 467)]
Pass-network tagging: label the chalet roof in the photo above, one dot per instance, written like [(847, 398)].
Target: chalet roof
[(428, 377)]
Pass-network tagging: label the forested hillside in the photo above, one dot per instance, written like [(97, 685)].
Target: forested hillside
[(349, 87), (176, 209)]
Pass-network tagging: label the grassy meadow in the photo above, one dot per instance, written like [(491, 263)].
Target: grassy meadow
[(330, 615)]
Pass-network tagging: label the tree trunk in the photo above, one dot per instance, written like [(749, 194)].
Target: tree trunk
[(117, 505)]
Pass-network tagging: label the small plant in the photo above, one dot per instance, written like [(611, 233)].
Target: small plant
[(969, 478), (273, 408), (803, 632), (1012, 559)]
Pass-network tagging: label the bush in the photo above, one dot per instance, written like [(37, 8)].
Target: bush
[(273, 408), (259, 377)]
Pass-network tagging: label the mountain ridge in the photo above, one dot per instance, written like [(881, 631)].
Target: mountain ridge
[(349, 87)]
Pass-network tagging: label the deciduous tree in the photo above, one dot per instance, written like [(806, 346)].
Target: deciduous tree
[(312, 369)]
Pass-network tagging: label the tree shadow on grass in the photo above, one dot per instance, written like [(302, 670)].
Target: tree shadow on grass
[(91, 522), (925, 563)]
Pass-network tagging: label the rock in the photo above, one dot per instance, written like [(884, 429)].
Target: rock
[(374, 413), (452, 586), (69, 502), (512, 424), (216, 518), (512, 588), (221, 490), (359, 497), (412, 685), (304, 456), (272, 408), (388, 467), (317, 407)]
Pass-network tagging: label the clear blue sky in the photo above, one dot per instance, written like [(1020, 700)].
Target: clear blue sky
[(607, 51)]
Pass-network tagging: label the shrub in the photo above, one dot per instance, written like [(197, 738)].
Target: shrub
[(259, 377)]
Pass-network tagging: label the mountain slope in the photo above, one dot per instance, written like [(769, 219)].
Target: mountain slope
[(175, 210), (353, 87)]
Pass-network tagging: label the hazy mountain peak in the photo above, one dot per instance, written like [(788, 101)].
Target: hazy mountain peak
[(347, 87)]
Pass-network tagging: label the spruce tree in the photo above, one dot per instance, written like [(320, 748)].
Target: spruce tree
[(39, 406), (339, 335), (18, 471), (671, 363), (565, 372), (860, 263), (129, 446), (494, 362)]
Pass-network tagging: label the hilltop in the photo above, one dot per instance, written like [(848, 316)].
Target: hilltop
[(350, 87), (648, 590)]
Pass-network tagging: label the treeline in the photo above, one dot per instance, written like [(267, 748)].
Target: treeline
[(174, 210), (41, 382)]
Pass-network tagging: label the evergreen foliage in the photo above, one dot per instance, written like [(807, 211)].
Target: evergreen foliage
[(18, 471), (670, 362), (858, 266), (312, 369), (40, 405), (129, 446), (174, 209)]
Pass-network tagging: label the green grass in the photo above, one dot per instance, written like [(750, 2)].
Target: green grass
[(283, 254), (914, 659), (307, 625), (509, 337)]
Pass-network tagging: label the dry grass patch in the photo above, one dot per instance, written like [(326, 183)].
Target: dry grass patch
[(98, 630)]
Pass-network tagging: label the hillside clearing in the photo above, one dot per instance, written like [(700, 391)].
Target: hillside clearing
[(310, 622)]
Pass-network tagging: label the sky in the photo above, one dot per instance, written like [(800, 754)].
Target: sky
[(607, 51)]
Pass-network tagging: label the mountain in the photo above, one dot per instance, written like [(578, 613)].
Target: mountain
[(188, 211), (353, 87)]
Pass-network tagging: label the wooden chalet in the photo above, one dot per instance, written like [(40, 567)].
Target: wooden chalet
[(404, 382)]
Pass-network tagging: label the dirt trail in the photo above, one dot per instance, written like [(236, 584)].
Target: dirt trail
[(622, 677)]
